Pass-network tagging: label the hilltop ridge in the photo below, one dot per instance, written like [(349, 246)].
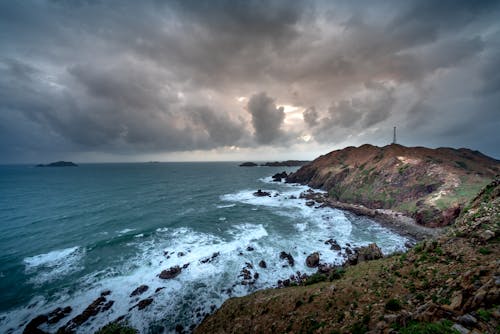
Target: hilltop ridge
[(430, 185)]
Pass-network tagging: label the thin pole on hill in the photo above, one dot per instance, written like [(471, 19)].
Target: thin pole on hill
[(394, 138)]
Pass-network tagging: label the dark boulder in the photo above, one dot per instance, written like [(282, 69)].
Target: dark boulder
[(210, 258), (279, 176), (333, 244), (139, 290), (250, 249), (260, 193), (32, 326), (288, 257), (172, 272), (312, 261), (310, 203), (262, 264), (142, 304), (57, 314)]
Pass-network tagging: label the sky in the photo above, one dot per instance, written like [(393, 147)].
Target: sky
[(115, 81)]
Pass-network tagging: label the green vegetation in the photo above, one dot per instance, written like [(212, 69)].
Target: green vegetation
[(114, 328), (315, 278), (443, 327), (484, 251), (463, 193), (393, 305)]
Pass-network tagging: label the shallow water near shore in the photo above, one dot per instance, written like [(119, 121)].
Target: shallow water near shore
[(67, 234)]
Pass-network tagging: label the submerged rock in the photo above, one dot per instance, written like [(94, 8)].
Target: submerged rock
[(333, 244)]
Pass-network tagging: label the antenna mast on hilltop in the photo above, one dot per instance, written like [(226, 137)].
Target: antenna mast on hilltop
[(394, 138)]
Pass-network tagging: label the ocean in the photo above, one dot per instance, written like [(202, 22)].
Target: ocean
[(68, 234)]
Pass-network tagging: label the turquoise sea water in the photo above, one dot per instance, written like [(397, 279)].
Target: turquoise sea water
[(67, 234)]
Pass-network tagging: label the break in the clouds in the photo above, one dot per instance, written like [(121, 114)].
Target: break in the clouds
[(120, 80)]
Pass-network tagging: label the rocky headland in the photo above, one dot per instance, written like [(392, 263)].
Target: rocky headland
[(429, 185)]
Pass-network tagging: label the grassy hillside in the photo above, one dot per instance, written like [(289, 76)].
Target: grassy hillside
[(440, 286), (431, 185)]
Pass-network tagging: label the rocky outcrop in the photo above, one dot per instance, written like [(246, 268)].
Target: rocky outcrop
[(288, 257), (366, 253), (279, 176), (260, 193), (287, 163)]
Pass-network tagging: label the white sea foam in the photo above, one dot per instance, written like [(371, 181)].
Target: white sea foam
[(53, 265), (223, 206), (215, 262), (126, 230)]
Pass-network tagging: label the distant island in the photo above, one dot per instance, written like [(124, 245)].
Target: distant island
[(287, 163), (59, 164), (248, 164)]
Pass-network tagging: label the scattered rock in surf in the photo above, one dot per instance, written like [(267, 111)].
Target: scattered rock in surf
[(159, 289), (255, 275), (93, 309), (333, 244), (57, 314), (108, 305), (185, 265), (310, 203), (139, 290), (250, 249), (172, 272), (144, 303), (262, 264), (288, 257), (105, 293), (246, 274), (279, 176), (210, 258), (260, 193), (179, 329), (180, 254), (32, 326), (312, 261)]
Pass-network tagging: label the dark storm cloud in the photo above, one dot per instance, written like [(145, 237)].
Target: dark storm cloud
[(266, 118), (153, 76)]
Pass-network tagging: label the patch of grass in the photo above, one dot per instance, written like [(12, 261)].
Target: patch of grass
[(114, 328), (403, 168), (443, 327), (315, 278), (484, 314), (484, 251), (359, 328), (336, 274), (393, 305), (461, 164)]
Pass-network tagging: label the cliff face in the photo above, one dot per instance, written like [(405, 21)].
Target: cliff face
[(430, 185), (441, 285)]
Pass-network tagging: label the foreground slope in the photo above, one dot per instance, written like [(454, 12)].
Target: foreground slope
[(431, 185), (451, 281)]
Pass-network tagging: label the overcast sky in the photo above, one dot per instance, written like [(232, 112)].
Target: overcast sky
[(244, 80)]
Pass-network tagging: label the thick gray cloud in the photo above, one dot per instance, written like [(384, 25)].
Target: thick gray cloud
[(127, 77), (266, 118)]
